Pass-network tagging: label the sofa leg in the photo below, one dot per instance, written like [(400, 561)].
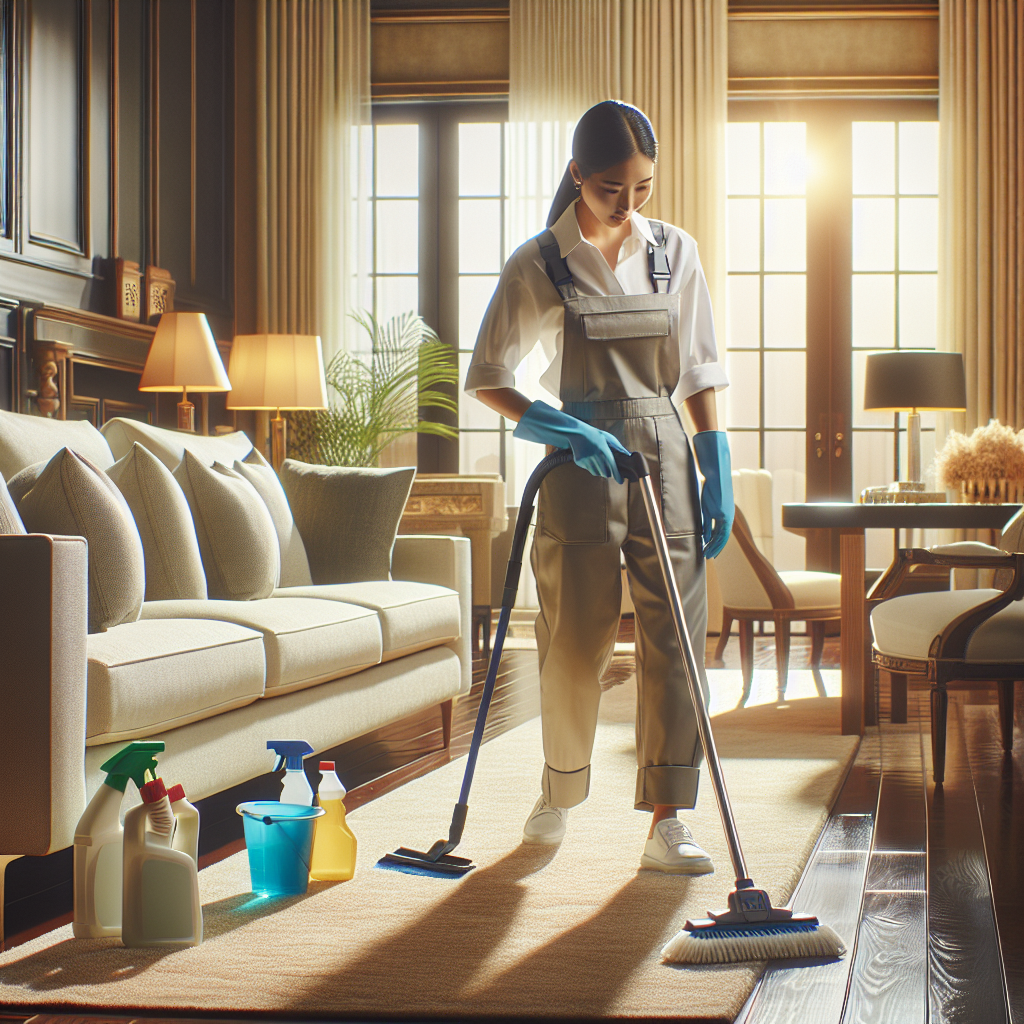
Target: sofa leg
[(5, 859), (940, 711), (1006, 712), (447, 708)]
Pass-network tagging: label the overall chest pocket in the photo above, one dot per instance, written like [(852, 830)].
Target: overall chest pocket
[(625, 324)]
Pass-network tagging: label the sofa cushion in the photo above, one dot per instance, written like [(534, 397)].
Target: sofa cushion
[(152, 675), (25, 440), (75, 498), (294, 564), (170, 445), (306, 641), (347, 517), (174, 567), (906, 626), (413, 616), (10, 521), (237, 538)]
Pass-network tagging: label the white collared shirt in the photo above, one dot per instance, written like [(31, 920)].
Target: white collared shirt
[(526, 307)]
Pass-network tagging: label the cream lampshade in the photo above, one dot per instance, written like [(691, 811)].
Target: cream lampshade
[(912, 380), (183, 357), (275, 372)]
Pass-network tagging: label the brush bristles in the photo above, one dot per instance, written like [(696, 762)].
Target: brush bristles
[(729, 944)]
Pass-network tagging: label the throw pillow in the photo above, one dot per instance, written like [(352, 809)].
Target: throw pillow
[(22, 482), (74, 497), (347, 517), (28, 439), (237, 539), (174, 567), (10, 521), (170, 445), (294, 564)]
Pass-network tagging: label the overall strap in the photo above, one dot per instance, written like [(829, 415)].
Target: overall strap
[(558, 269), (657, 258)]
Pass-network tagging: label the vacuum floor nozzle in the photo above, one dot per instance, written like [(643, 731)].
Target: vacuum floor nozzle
[(403, 857)]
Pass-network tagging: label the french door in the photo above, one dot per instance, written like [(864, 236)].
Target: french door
[(832, 253)]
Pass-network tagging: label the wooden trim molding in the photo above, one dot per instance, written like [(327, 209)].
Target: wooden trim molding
[(825, 12), (441, 16), (792, 87), (449, 90)]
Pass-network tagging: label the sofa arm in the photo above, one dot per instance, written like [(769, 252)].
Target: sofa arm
[(445, 562), (43, 624)]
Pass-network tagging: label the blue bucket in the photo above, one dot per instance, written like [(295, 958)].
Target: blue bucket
[(279, 838)]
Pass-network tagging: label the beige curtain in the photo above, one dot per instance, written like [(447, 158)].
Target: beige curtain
[(981, 103), (312, 144)]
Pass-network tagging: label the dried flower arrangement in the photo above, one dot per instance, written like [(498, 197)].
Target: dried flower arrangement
[(987, 466)]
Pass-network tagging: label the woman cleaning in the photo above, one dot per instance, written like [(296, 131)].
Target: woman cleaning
[(622, 310)]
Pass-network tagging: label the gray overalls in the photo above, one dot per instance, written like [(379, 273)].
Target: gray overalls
[(620, 363)]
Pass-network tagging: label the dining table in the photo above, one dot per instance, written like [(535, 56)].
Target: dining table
[(851, 519)]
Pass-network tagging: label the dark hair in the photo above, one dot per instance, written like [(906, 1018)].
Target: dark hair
[(607, 134)]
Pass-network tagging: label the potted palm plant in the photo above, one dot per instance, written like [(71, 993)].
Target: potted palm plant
[(376, 399)]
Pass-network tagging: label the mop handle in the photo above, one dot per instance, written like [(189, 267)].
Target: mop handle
[(512, 574), (707, 739)]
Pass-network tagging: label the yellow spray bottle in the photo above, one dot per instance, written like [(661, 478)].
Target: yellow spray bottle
[(334, 845)]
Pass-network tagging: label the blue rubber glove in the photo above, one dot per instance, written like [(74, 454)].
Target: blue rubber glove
[(591, 448), (716, 502)]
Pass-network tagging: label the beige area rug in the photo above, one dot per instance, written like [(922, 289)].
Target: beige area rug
[(573, 932)]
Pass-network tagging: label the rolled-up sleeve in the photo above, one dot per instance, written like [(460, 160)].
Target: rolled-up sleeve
[(699, 368), (510, 329)]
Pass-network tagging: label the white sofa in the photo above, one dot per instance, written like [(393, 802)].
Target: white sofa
[(213, 679)]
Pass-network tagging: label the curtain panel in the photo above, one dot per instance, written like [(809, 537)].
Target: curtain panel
[(313, 139), (981, 102)]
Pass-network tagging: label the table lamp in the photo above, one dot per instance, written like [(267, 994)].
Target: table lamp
[(183, 357), (275, 372), (912, 381)]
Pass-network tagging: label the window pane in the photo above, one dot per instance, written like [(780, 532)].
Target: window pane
[(919, 234), (785, 311), (743, 324), (474, 295), (396, 295), (785, 455), (919, 157), (398, 161), (743, 158), (480, 453), (397, 236), (785, 158), (874, 234), (480, 159), (861, 417), (919, 310), (479, 236), (744, 371), (874, 310), (743, 249), (874, 158), (744, 449), (784, 389), (785, 234)]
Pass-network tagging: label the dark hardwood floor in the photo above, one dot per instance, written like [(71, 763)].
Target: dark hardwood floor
[(923, 883)]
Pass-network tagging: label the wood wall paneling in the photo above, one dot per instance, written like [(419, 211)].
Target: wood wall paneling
[(7, 134), (131, 138), (8, 356)]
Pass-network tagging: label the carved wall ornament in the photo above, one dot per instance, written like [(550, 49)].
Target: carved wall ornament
[(443, 504), (127, 289), (159, 293)]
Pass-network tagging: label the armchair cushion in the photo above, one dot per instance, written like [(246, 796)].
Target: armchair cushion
[(10, 521), (25, 440), (169, 446), (812, 589), (174, 567), (149, 676), (907, 626), (236, 535), (294, 563), (75, 498), (347, 517)]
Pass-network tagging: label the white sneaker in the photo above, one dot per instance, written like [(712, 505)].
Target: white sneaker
[(672, 849), (545, 825)]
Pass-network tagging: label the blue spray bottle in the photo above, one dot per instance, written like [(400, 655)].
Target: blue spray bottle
[(296, 788)]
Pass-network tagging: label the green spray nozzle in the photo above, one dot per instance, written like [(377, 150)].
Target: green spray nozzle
[(132, 763), (289, 753)]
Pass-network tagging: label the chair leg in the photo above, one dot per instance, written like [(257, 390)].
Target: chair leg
[(898, 698), (1006, 712), (940, 712), (817, 649), (782, 654), (746, 631), (723, 637)]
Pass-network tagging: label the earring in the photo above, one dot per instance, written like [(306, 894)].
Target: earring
[(578, 184)]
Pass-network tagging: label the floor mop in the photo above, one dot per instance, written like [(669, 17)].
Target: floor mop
[(751, 928)]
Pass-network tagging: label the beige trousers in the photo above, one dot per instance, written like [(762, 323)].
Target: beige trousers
[(583, 522)]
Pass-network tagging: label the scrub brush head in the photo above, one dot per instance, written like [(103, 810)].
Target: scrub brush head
[(720, 944)]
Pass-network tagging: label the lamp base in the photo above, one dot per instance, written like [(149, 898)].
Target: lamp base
[(278, 441), (187, 417)]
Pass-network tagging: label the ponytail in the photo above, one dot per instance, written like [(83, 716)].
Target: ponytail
[(565, 195)]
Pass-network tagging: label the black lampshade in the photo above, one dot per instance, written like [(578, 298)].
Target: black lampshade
[(915, 379)]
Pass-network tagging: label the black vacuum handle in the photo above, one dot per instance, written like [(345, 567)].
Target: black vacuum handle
[(633, 467)]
